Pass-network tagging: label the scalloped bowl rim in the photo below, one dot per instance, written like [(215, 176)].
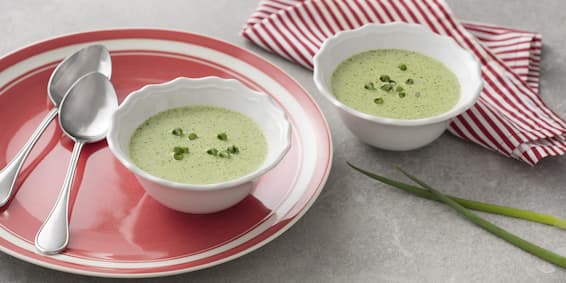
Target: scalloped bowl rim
[(123, 110), (387, 28)]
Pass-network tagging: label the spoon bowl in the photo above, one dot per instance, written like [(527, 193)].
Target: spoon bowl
[(85, 116), (93, 58), (86, 111)]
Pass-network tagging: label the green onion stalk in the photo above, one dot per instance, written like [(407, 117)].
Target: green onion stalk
[(461, 206)]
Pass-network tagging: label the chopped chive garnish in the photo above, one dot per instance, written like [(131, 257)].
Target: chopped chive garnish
[(212, 151), (386, 87), (178, 149), (378, 100), (224, 154), (399, 88), (178, 155), (177, 132), (222, 136), (409, 81), (181, 149), (193, 136), (402, 94), (384, 78), (403, 67), (369, 86), (233, 149)]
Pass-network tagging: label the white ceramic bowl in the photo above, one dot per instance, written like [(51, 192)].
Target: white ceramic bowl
[(230, 94), (397, 134)]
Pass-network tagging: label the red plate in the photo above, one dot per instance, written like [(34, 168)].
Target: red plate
[(116, 229)]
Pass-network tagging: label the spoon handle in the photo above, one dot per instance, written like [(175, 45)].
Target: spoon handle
[(9, 173), (53, 236)]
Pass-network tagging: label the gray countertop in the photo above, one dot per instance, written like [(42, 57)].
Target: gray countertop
[(358, 230)]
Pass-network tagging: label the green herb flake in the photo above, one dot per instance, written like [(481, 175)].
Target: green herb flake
[(178, 155), (402, 94), (212, 151), (387, 87), (193, 136), (399, 88), (233, 149), (222, 136), (178, 151), (177, 132), (384, 78), (403, 67), (409, 81), (370, 86), (378, 100)]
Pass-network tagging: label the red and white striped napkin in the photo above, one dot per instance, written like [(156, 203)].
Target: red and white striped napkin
[(510, 117)]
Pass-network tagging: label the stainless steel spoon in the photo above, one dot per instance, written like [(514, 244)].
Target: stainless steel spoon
[(94, 58), (84, 115)]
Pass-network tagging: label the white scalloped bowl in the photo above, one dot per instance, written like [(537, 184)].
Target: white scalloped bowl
[(388, 133), (230, 94)]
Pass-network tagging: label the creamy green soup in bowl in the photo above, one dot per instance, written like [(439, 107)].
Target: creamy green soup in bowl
[(198, 145), (396, 86)]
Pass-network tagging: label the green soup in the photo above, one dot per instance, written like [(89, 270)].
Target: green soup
[(198, 145), (395, 83)]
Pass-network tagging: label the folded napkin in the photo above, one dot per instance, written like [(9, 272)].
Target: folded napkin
[(509, 118)]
